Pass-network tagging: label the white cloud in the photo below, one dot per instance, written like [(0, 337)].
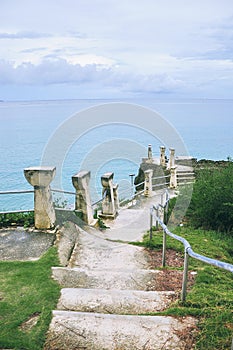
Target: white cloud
[(60, 71), (151, 46), (24, 35)]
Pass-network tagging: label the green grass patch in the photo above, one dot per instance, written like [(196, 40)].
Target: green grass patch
[(27, 289), (211, 297)]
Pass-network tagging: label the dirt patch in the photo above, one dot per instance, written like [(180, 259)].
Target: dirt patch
[(27, 325), (189, 334), (173, 258), (167, 279)]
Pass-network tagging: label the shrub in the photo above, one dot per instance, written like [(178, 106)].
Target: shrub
[(19, 219), (211, 205)]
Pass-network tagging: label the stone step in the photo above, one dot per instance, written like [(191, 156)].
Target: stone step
[(92, 252), (134, 279), (185, 175), (114, 301), (183, 179), (78, 330)]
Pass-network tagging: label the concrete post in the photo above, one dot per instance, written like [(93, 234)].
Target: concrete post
[(172, 158), (44, 212), (110, 197), (162, 156), (173, 177), (116, 197), (150, 156), (83, 198), (148, 183)]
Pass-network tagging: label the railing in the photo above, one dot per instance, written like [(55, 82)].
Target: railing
[(16, 192), (188, 252), (32, 191)]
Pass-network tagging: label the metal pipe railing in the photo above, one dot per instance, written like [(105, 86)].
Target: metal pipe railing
[(16, 211), (61, 191), (188, 252), (160, 177), (16, 191)]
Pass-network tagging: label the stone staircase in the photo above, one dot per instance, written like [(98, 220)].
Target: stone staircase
[(185, 175), (107, 303)]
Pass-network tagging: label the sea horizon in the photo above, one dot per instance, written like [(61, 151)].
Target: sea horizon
[(27, 126)]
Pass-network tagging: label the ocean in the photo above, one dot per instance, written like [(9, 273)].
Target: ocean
[(76, 135)]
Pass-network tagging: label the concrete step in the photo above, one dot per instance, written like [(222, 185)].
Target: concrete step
[(78, 330), (114, 301), (92, 252), (185, 175), (133, 279)]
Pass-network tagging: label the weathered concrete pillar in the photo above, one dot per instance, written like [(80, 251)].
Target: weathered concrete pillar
[(148, 183), (150, 155), (83, 198), (162, 156), (173, 177), (44, 212), (172, 158), (110, 201), (116, 197)]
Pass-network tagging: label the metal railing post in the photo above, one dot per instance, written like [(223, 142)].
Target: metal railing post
[(151, 222), (157, 215), (185, 276), (164, 248), (166, 213)]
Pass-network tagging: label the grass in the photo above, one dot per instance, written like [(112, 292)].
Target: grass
[(26, 290), (211, 297)]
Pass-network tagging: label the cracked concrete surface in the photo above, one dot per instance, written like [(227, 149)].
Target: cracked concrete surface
[(106, 289)]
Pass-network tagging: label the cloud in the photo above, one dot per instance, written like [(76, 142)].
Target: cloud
[(75, 34), (24, 35), (59, 71), (35, 49)]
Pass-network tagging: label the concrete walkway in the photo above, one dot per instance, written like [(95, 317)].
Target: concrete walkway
[(106, 290), (133, 220)]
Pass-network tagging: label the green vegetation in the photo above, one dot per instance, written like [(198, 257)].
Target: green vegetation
[(212, 199), (27, 290), (211, 298), (17, 219)]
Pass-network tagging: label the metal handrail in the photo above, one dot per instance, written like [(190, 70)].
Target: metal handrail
[(97, 202), (62, 191), (20, 210), (16, 191), (188, 251), (141, 183), (162, 184), (16, 211), (160, 177)]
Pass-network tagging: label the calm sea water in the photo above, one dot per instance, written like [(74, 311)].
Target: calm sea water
[(26, 128)]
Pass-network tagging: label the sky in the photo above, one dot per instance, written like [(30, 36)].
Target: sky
[(65, 49)]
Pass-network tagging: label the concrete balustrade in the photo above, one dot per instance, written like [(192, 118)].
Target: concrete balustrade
[(173, 177), (172, 158), (41, 177), (148, 183), (44, 212), (150, 154), (110, 201), (162, 156), (83, 198), (116, 197)]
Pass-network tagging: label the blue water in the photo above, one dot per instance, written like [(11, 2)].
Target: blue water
[(205, 126)]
